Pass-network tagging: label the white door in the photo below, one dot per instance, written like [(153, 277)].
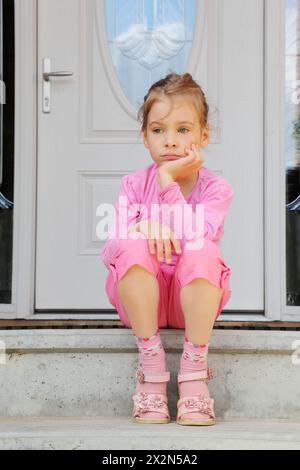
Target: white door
[(90, 138)]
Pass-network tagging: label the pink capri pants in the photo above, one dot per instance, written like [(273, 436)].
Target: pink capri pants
[(205, 263)]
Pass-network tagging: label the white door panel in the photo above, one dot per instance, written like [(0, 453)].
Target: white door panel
[(90, 140)]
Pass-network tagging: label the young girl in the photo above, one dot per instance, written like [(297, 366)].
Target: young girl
[(156, 278)]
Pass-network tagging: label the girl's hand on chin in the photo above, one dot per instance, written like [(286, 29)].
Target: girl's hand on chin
[(185, 166)]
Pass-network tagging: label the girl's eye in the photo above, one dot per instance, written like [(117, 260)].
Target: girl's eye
[(156, 131)]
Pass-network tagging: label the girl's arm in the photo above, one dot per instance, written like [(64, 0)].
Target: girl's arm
[(215, 201)]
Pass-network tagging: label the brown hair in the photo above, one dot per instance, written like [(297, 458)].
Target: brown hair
[(174, 84)]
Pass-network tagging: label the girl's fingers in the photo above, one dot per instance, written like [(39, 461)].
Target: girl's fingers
[(151, 245), (159, 246), (164, 241), (176, 244), (164, 249), (193, 156), (198, 153), (167, 246), (195, 152)]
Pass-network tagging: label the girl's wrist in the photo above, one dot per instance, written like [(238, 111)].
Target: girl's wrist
[(134, 228), (164, 178)]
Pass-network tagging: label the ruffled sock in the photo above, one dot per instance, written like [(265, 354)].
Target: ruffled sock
[(152, 357), (193, 359)]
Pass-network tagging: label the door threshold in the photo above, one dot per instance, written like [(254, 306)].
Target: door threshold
[(73, 321)]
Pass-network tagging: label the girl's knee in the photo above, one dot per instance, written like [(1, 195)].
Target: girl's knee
[(130, 253), (140, 269), (139, 245)]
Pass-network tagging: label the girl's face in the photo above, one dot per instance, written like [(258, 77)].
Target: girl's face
[(172, 127)]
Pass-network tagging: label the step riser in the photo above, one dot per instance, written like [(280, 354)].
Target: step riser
[(121, 443), (102, 383), (109, 433)]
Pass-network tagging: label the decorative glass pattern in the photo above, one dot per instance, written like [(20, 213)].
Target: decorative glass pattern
[(292, 130), (147, 40)]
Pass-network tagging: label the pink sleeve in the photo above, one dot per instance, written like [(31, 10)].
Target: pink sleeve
[(126, 215), (213, 207)]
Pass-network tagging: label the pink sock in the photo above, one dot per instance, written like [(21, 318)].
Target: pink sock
[(194, 358), (151, 358)]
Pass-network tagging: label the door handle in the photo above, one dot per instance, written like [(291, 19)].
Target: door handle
[(47, 74), (56, 74)]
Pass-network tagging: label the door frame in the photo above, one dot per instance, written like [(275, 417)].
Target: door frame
[(25, 141), (24, 232)]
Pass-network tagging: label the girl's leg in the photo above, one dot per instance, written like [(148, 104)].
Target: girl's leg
[(200, 300), (201, 289), (139, 293)]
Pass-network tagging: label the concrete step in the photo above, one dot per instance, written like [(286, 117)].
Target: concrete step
[(91, 372), (111, 433)]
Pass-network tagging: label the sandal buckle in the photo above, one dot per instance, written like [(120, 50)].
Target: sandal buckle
[(209, 373), (140, 376)]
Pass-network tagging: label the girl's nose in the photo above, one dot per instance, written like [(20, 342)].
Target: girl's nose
[(171, 145), (171, 141)]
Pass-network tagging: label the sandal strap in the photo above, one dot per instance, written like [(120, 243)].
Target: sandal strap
[(145, 401), (205, 374), (144, 376), (199, 403)]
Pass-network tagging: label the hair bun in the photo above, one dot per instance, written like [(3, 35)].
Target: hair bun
[(187, 77)]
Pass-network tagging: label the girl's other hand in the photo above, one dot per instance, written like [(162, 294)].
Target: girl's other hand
[(161, 236), (185, 166)]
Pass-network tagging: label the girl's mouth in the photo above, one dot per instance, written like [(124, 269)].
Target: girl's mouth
[(171, 157)]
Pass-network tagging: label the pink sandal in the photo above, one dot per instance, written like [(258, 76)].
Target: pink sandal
[(201, 403), (146, 401)]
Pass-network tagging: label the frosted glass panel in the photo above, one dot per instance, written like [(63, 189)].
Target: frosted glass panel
[(147, 40)]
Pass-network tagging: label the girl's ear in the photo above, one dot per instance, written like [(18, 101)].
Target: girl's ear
[(145, 139), (205, 136)]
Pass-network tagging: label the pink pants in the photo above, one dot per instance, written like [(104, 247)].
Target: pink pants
[(206, 263)]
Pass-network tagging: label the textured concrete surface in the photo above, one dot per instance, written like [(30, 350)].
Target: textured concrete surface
[(121, 433), (91, 373)]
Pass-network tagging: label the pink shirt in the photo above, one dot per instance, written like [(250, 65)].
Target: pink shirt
[(140, 189)]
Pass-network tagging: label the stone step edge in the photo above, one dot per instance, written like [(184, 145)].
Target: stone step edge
[(117, 341), (122, 433)]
